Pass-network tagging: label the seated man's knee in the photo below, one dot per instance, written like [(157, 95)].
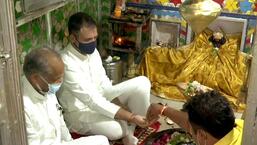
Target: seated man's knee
[(115, 133), (145, 81), (144, 84)]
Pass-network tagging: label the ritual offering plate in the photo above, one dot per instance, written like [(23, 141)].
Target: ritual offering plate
[(193, 88), (175, 136)]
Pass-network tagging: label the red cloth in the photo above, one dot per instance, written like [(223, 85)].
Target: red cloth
[(140, 133), (75, 135)]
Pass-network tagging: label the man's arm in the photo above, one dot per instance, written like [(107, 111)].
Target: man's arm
[(101, 71), (65, 134), (179, 117), (33, 135)]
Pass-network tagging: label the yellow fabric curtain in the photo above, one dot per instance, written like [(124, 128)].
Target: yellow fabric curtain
[(234, 137), (224, 70)]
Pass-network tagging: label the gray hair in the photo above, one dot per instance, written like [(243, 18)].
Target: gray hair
[(37, 61)]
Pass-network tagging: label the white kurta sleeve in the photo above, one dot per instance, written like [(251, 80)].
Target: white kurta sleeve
[(33, 135), (103, 81), (65, 134), (88, 94), (101, 72)]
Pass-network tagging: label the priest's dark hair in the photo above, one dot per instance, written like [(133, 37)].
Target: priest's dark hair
[(211, 112)]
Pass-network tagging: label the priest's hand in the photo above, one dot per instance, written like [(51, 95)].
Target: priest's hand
[(153, 112)]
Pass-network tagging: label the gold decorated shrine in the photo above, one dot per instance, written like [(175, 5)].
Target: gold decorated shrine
[(225, 70)]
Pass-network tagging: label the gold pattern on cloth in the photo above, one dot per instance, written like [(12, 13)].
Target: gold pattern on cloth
[(225, 70)]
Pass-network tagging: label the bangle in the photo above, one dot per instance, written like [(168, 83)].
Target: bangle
[(164, 107)]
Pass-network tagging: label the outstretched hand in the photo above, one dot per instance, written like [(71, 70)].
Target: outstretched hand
[(140, 121), (153, 112)]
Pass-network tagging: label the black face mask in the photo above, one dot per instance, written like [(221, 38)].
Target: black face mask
[(87, 48)]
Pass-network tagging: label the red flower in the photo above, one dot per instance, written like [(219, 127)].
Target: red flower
[(219, 2), (176, 2)]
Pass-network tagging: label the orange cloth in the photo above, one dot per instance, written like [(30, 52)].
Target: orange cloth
[(224, 70)]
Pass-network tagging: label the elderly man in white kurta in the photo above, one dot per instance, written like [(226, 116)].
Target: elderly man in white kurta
[(87, 93), (44, 70)]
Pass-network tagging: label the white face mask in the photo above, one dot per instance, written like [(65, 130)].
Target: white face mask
[(52, 88)]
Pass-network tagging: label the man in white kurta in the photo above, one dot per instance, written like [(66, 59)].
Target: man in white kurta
[(43, 114), (87, 93)]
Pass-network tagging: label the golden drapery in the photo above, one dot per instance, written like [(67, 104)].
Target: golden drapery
[(224, 70)]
